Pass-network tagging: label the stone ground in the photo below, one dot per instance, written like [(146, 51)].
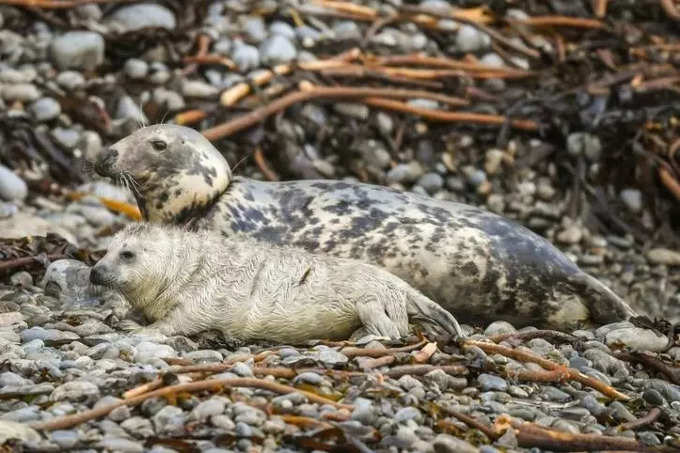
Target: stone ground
[(73, 81)]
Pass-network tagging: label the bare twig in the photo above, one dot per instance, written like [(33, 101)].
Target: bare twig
[(365, 352), (424, 354), (446, 116), (213, 384), (263, 165), (559, 21), (249, 119), (669, 182), (600, 8), (27, 260), (489, 431), (672, 373), (190, 117), (532, 435), (669, 8), (648, 419), (560, 372)]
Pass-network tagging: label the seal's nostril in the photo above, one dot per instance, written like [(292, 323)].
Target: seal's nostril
[(104, 162)]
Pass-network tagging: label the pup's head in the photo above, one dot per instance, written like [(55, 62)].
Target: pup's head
[(136, 262)]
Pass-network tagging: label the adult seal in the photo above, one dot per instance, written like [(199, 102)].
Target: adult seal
[(188, 282), (477, 265)]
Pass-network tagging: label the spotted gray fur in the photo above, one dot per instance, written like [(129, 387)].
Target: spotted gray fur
[(478, 265)]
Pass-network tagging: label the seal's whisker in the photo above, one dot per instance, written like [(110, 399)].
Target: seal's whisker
[(233, 169)]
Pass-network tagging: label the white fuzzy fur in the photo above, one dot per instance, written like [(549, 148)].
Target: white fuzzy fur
[(189, 282)]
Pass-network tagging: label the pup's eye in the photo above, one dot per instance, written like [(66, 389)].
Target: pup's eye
[(127, 255), (158, 145)]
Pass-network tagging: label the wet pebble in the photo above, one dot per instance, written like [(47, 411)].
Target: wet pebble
[(45, 109), (12, 187), (78, 49), (136, 17), (491, 382)]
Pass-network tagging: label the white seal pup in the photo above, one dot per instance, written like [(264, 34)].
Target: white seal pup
[(477, 265), (188, 282)]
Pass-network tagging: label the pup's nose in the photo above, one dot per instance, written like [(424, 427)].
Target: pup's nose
[(104, 162), (96, 277)]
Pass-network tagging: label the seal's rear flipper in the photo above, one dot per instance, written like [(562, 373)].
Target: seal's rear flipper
[(422, 308), (604, 304)]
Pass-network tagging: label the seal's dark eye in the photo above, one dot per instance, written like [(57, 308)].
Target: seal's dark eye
[(127, 255), (158, 145)]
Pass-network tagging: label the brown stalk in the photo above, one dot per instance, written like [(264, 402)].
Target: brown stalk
[(190, 117), (489, 431), (446, 116), (532, 435), (370, 364), (365, 352), (213, 384), (302, 421), (321, 92), (240, 90), (209, 59), (669, 182), (202, 44), (348, 7), (600, 8), (648, 419), (442, 62), (559, 21), (26, 260), (669, 8), (424, 354), (428, 74), (672, 373), (479, 24), (571, 374), (357, 71), (263, 165)]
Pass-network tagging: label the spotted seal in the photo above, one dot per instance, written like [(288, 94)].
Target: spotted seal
[(477, 265), (189, 282)]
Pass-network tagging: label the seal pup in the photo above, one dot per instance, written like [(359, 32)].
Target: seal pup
[(477, 265), (188, 282)]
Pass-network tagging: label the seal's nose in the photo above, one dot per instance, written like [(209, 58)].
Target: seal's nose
[(104, 162), (96, 277)]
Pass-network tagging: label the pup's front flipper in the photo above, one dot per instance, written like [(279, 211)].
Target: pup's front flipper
[(384, 315)]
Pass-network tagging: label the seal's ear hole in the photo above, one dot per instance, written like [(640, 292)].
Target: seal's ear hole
[(158, 145), (127, 255)]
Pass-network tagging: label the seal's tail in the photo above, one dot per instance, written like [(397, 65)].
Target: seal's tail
[(607, 306), (425, 309)]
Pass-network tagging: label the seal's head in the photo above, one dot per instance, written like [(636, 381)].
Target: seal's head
[(139, 263), (174, 171)]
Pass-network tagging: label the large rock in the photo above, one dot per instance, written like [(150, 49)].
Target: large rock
[(17, 431), (78, 49)]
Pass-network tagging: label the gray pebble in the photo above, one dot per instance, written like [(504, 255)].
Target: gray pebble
[(198, 89), (670, 392), (277, 49), (70, 80), (170, 99), (347, 30), (139, 16), (254, 28), (499, 328), (78, 49), (245, 56), (169, 420), (470, 39), (205, 356), (242, 369), (138, 427), (663, 256), (351, 109), (148, 352), (66, 137), (120, 444), (12, 187), (64, 438), (408, 413), (136, 68), (243, 430), (129, 109), (45, 109), (404, 173), (282, 28), (76, 391), (554, 394), (637, 338), (208, 408), (491, 382), (23, 92), (431, 182)]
